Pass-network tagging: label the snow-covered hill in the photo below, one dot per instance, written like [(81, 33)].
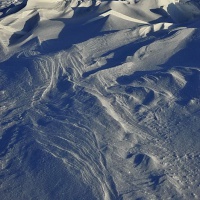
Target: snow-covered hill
[(99, 100)]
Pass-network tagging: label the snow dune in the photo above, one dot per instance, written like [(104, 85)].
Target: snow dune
[(119, 15), (99, 100)]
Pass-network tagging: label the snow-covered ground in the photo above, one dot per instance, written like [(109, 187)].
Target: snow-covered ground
[(99, 100)]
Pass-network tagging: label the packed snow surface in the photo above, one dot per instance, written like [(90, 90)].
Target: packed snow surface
[(99, 100)]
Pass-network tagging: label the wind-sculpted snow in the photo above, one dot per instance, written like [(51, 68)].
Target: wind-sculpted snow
[(98, 103)]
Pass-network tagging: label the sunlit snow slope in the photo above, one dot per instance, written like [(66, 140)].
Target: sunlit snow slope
[(100, 100)]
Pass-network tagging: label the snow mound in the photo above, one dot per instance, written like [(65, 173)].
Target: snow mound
[(100, 100)]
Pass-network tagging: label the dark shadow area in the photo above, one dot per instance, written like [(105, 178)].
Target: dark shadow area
[(160, 11), (161, 20), (64, 85), (6, 139), (191, 89), (43, 122), (176, 14), (129, 155), (149, 98), (14, 67), (138, 159), (156, 180), (164, 16), (142, 160), (28, 26)]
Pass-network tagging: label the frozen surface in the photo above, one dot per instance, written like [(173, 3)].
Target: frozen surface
[(99, 100)]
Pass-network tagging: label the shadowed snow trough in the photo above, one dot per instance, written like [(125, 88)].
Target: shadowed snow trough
[(99, 100)]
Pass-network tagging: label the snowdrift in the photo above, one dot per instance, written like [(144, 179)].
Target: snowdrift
[(99, 100)]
